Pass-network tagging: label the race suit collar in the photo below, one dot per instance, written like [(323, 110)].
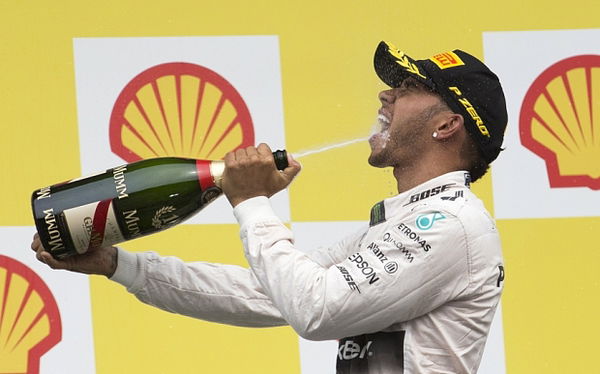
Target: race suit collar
[(437, 186), (448, 186)]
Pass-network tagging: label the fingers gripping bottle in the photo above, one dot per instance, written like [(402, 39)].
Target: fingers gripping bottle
[(126, 202)]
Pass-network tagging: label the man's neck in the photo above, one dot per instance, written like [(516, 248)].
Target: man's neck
[(410, 177)]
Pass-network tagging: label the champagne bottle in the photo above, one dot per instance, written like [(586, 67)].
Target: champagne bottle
[(126, 202)]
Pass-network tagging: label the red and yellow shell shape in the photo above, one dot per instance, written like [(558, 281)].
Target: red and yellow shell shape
[(30, 322), (560, 121), (179, 109)]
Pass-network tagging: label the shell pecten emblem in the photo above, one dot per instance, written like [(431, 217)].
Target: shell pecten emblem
[(179, 109), (30, 322), (560, 121)]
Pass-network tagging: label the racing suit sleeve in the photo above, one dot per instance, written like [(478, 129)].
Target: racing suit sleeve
[(336, 253), (366, 292), (212, 292)]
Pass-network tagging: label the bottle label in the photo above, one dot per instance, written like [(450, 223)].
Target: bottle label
[(93, 225)]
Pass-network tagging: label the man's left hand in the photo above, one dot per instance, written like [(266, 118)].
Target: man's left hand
[(251, 172)]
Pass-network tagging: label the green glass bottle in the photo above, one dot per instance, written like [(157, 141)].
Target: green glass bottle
[(126, 202)]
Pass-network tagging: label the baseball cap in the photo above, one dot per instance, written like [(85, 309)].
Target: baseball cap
[(466, 85)]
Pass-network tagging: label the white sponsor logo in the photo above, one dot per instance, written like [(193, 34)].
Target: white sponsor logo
[(351, 350), (55, 241), (119, 175), (43, 193)]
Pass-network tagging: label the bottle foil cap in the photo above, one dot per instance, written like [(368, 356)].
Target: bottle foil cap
[(281, 160)]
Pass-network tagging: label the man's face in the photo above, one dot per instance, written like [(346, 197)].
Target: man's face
[(404, 125)]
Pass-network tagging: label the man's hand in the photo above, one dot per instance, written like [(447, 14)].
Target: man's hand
[(101, 261), (251, 172)]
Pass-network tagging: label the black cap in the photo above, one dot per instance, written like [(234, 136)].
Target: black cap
[(466, 85)]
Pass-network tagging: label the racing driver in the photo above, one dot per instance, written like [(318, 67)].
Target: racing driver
[(415, 291)]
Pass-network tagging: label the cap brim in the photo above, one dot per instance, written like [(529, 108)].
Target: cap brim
[(393, 66)]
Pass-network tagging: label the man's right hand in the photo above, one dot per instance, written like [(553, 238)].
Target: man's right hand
[(101, 261)]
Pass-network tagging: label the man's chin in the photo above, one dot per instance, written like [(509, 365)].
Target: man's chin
[(377, 160)]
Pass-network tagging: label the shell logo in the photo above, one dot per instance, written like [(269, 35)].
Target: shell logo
[(30, 322), (179, 109), (560, 121)]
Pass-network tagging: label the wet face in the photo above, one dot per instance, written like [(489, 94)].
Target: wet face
[(403, 121)]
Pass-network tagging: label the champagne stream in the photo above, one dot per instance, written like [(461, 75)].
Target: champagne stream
[(328, 147)]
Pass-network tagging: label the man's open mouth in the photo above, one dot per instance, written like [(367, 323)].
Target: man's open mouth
[(384, 122)]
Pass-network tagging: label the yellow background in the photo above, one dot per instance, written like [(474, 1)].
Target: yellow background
[(550, 305)]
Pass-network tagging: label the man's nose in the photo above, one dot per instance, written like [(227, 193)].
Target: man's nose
[(386, 97)]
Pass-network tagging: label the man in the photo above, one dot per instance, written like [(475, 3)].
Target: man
[(413, 292)]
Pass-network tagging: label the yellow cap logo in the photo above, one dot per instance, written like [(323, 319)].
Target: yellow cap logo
[(471, 110), (179, 109), (447, 60), (29, 319), (402, 60), (560, 121)]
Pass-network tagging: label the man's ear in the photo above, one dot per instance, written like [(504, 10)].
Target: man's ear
[(448, 125)]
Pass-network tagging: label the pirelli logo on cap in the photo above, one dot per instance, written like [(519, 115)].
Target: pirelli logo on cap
[(447, 60)]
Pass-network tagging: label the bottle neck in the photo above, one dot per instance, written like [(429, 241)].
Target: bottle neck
[(210, 173), (217, 168)]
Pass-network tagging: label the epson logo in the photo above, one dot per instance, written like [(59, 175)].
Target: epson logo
[(364, 267)]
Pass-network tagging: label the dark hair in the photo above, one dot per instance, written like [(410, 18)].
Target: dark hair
[(479, 166)]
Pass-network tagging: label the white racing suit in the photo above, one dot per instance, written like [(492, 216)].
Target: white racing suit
[(414, 292)]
